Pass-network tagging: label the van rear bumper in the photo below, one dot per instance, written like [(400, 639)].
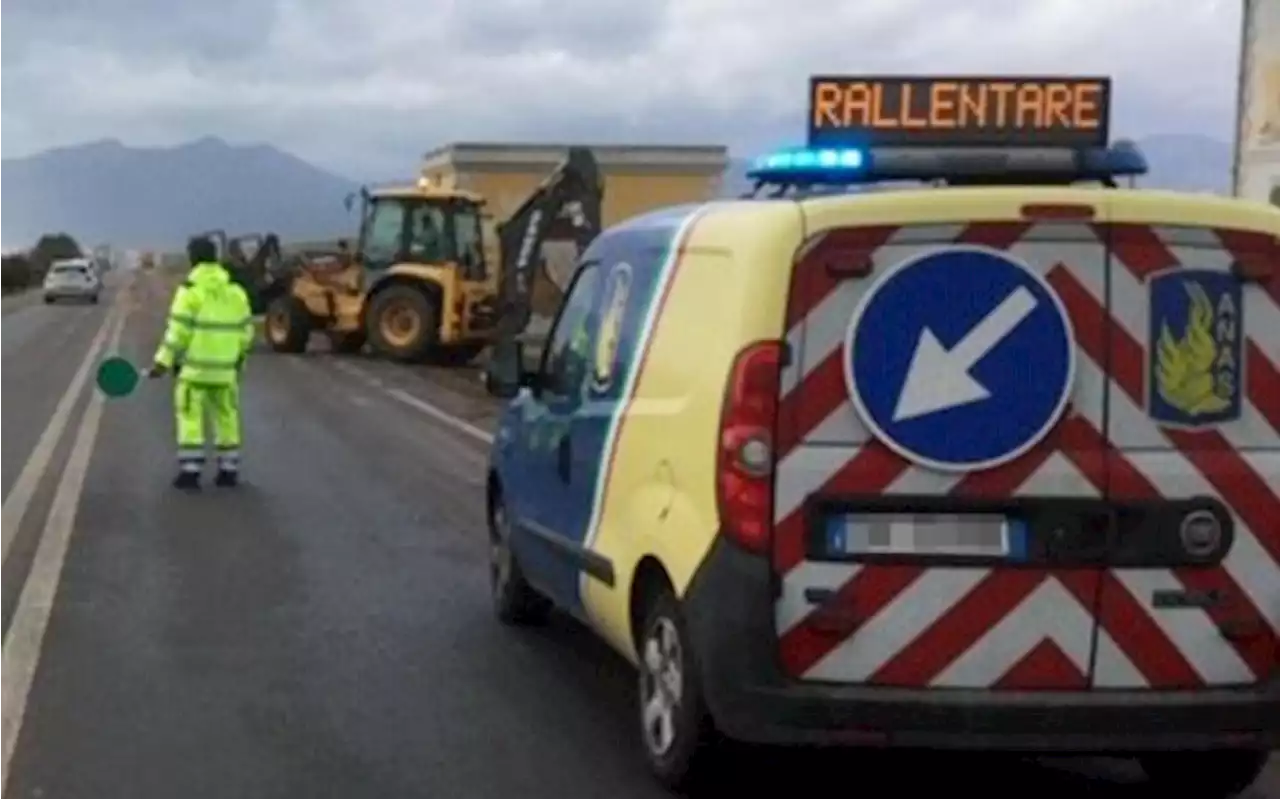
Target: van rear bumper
[(729, 614)]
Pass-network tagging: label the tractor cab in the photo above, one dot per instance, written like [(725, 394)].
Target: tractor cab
[(426, 225)]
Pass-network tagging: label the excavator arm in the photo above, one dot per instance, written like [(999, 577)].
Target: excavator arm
[(574, 190)]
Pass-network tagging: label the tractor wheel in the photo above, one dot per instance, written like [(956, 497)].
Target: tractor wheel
[(402, 323), (288, 325), (346, 343), (456, 355)]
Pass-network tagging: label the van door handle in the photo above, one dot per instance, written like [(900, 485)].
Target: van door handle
[(563, 459)]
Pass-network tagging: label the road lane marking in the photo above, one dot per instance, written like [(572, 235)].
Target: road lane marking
[(18, 502), (443, 416), (418, 404), (25, 639)]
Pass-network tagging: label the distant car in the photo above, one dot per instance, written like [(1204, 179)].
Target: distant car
[(72, 279)]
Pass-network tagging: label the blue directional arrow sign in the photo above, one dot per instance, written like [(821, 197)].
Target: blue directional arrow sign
[(961, 359)]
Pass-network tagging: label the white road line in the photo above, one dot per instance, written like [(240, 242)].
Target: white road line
[(18, 501), (25, 639), (418, 404), (440, 415)]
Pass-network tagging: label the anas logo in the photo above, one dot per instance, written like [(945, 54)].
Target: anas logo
[(604, 364), (1195, 348)]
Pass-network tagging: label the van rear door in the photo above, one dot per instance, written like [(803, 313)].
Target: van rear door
[(926, 608), (1190, 355)]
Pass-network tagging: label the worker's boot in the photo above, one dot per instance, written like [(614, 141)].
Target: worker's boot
[(227, 478), (187, 481)]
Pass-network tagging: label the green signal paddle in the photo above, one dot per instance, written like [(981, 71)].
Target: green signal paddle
[(117, 377)]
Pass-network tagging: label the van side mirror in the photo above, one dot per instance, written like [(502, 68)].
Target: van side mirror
[(505, 375)]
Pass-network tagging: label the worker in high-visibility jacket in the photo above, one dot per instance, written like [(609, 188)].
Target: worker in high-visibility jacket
[(207, 339)]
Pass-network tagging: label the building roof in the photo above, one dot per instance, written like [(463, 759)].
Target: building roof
[(702, 159)]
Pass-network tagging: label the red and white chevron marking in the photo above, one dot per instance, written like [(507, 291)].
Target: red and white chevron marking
[(996, 628)]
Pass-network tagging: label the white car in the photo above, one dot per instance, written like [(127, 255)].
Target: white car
[(74, 278)]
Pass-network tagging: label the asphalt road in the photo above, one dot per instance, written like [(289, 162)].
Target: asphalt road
[(324, 630)]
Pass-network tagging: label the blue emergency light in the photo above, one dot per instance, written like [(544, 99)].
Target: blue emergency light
[(818, 168)]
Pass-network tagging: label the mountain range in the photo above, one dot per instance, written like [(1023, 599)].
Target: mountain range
[(105, 191)]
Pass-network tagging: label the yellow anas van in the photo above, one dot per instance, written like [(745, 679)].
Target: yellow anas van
[(993, 464)]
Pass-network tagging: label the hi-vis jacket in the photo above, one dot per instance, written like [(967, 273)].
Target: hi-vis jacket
[(210, 327)]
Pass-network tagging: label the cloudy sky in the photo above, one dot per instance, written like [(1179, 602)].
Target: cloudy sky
[(365, 87)]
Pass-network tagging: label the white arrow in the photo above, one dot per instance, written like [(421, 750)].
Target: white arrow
[(938, 378)]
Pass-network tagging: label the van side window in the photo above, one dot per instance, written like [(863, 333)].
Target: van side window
[(567, 358)]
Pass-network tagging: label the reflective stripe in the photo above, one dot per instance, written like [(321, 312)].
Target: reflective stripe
[(204, 363), (190, 459), (200, 324)]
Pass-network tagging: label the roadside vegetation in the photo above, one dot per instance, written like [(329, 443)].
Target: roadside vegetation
[(24, 270)]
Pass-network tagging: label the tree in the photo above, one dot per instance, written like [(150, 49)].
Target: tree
[(55, 247), (15, 273), (49, 248)]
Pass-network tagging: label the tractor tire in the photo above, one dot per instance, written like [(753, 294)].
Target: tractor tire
[(346, 343), (288, 325), (403, 323), (456, 355)]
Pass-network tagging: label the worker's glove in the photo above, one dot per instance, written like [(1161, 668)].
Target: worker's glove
[(157, 370)]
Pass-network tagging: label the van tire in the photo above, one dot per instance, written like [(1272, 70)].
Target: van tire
[(664, 645), (1223, 774), (515, 602)]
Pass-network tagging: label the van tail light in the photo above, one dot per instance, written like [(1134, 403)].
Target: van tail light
[(744, 469)]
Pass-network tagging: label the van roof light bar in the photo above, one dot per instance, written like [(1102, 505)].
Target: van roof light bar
[(809, 169)]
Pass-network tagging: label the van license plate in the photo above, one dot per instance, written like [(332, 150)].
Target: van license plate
[(928, 534)]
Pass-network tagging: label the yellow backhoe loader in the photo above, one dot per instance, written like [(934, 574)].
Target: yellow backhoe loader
[(427, 281)]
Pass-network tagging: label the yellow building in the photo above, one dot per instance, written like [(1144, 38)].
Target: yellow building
[(637, 179)]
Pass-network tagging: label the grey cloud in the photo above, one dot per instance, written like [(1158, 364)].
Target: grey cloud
[(366, 88), (590, 29), (200, 31)]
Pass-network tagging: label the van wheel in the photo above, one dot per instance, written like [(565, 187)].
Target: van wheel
[(1208, 775), (515, 602), (675, 727)]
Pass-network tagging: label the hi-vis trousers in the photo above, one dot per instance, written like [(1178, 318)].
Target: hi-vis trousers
[(191, 402)]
